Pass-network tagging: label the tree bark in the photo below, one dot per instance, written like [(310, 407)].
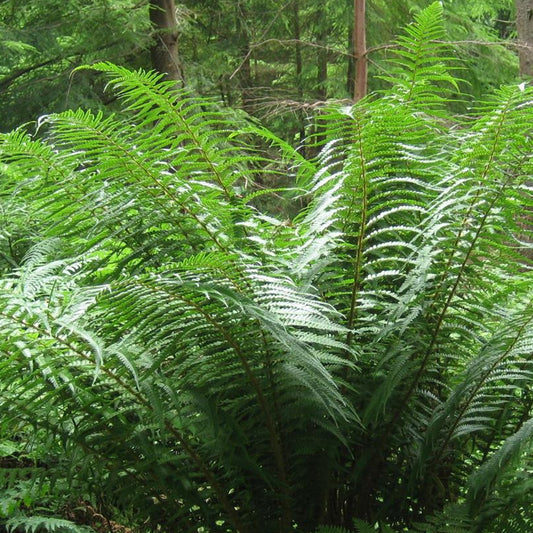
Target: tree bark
[(165, 50), (350, 71), (524, 29), (245, 71), (359, 52), (299, 73), (322, 67)]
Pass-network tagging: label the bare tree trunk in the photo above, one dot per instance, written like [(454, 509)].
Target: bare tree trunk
[(359, 52), (350, 71), (322, 67), (299, 73), (165, 50), (524, 29), (245, 72)]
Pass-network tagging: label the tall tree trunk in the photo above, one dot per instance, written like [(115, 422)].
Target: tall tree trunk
[(524, 29), (359, 52), (350, 71), (299, 73), (245, 71), (165, 50), (322, 67), (321, 80)]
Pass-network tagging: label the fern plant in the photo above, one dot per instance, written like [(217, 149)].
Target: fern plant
[(35, 524), (183, 355)]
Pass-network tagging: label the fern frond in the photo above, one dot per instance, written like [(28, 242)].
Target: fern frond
[(422, 62), (454, 518), (503, 459), (35, 523)]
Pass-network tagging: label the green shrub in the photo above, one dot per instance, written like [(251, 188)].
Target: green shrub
[(186, 359)]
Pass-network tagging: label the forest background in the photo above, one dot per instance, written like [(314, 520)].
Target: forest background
[(275, 60)]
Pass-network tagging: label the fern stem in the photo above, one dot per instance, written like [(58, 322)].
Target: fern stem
[(206, 158), (459, 276), (488, 165), (360, 243), (389, 427), (78, 352), (198, 461), (274, 436), (445, 308), (161, 96), (526, 414), (130, 156), (275, 439), (476, 389)]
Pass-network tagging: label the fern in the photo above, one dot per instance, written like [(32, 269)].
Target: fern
[(423, 63), (33, 524), (331, 529), (175, 352)]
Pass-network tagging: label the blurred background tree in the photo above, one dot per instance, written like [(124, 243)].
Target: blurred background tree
[(524, 30)]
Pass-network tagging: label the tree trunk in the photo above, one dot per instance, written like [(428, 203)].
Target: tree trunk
[(350, 71), (524, 29), (359, 52), (165, 50), (322, 67), (245, 71), (299, 73)]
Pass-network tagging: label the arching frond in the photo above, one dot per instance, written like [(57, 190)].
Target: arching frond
[(169, 348)]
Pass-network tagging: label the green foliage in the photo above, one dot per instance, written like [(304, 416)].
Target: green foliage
[(18, 488), (42, 42), (331, 529), (41, 524), (171, 351), (420, 62), (482, 31)]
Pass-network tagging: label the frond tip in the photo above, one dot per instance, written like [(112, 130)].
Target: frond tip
[(422, 62)]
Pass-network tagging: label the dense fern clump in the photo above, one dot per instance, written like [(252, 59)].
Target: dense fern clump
[(184, 360)]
